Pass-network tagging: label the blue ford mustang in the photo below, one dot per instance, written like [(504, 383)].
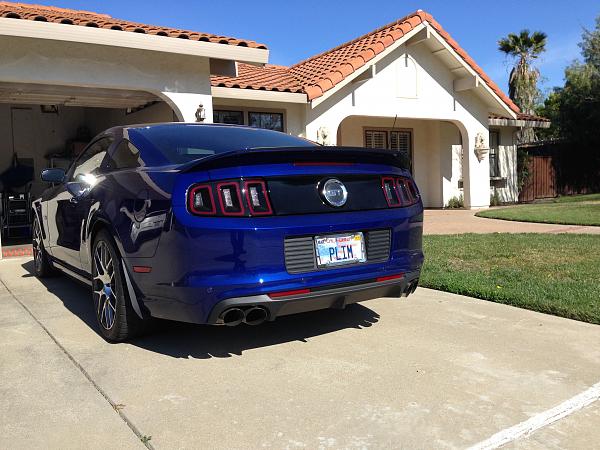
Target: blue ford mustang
[(217, 224)]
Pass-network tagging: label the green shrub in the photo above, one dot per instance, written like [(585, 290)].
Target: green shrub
[(455, 202), (495, 199)]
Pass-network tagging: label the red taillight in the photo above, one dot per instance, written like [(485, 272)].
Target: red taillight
[(390, 277), (399, 191), (201, 200), (230, 198), (323, 163), (257, 198), (142, 269), (405, 194), (289, 293), (388, 184)]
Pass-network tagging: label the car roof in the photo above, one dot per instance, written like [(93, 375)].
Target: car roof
[(174, 125)]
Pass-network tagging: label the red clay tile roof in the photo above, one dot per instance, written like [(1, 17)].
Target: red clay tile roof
[(521, 116), (322, 72), (54, 14), (267, 78)]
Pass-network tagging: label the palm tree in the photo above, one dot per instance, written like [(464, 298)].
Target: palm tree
[(524, 48)]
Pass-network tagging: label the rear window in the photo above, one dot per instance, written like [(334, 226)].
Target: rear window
[(178, 144)]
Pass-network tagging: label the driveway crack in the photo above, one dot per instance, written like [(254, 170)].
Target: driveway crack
[(144, 439)]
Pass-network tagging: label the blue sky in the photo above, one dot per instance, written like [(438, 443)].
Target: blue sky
[(295, 30)]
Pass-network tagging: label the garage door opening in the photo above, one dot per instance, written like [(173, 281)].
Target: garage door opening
[(48, 126)]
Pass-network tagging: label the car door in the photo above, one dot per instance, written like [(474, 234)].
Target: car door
[(69, 207)]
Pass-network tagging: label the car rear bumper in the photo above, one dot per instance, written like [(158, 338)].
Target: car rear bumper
[(336, 297)]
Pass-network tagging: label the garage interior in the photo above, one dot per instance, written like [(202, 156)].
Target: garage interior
[(48, 126)]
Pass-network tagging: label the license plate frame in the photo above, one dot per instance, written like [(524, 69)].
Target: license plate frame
[(320, 259)]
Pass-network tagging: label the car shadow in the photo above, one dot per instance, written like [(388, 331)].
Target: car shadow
[(183, 340)]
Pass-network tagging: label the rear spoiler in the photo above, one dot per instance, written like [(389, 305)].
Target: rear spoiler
[(301, 155)]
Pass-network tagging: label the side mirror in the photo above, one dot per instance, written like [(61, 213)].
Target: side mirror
[(53, 175), (78, 189)]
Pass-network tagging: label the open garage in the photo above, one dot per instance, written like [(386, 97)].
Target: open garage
[(66, 75), (48, 126)]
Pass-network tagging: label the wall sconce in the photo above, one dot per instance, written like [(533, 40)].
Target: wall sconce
[(481, 149), (200, 113)]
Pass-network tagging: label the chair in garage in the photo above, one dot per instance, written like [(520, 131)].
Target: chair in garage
[(15, 188)]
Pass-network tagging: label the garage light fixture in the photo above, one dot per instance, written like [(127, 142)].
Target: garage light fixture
[(49, 109)]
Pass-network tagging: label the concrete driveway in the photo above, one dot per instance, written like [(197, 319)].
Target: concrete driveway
[(437, 370), (457, 221)]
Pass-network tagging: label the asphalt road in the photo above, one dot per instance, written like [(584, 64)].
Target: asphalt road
[(436, 370)]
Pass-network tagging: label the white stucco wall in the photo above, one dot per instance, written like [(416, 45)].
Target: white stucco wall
[(390, 93), (182, 81)]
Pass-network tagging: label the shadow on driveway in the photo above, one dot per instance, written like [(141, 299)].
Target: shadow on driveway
[(183, 340)]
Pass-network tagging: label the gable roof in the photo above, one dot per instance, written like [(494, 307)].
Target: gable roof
[(41, 13), (320, 73)]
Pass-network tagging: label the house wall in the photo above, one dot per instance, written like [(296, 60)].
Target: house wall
[(411, 83)]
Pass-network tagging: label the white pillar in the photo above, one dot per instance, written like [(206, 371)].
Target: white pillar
[(186, 105), (476, 173)]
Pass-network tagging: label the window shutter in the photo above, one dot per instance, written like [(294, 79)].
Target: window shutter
[(375, 139), (400, 140)]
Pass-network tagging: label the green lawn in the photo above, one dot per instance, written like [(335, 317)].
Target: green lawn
[(554, 274), (569, 210)]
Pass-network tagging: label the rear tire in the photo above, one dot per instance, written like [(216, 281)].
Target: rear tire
[(115, 315), (41, 263)]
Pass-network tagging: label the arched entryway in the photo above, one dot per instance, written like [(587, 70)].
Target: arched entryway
[(432, 147)]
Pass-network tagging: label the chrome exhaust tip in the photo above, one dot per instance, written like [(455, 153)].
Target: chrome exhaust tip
[(232, 317), (255, 316)]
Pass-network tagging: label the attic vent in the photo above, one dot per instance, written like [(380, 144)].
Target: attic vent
[(12, 15), (40, 19), (67, 22), (92, 25)]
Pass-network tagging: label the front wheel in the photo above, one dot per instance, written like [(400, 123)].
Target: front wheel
[(116, 318)]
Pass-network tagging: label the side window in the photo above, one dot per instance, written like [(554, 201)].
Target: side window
[(125, 156), (269, 121), (90, 160), (231, 117), (493, 156)]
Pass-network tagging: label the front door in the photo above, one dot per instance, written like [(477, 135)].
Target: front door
[(68, 210)]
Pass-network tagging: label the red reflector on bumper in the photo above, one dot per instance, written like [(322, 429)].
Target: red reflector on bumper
[(323, 163), (288, 293), (390, 277), (142, 269)]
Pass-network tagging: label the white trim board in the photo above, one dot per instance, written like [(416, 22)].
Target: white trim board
[(258, 94), (114, 38)]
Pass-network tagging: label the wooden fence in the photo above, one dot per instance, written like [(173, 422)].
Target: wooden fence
[(541, 182)]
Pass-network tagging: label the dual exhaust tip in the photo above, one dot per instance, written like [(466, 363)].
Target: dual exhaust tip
[(252, 316)]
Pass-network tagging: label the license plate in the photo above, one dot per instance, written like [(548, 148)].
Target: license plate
[(340, 249)]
